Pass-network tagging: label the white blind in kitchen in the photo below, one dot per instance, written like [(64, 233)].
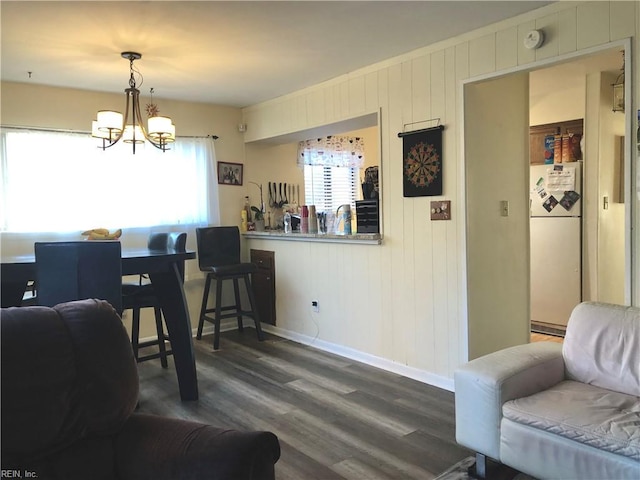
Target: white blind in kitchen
[(329, 187)]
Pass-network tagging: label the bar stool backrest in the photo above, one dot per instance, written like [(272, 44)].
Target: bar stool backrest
[(218, 246), (67, 271), (169, 241)]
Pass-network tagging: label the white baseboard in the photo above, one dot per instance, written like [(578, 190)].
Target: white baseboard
[(350, 353)]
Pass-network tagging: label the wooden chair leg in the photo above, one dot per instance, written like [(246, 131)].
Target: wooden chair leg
[(254, 307), (203, 308), (236, 292), (161, 337), (216, 325), (135, 332)]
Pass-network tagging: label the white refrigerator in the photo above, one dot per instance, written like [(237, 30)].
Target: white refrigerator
[(555, 241)]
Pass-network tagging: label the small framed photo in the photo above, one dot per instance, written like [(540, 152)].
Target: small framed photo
[(230, 173)]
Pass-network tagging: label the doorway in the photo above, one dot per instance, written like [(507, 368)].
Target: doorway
[(590, 266), (502, 309)]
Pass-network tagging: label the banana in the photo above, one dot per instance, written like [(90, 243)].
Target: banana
[(99, 231), (98, 236), (102, 234)]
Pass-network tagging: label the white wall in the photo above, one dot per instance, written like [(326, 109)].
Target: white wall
[(557, 94), (496, 171), (404, 302), (611, 220)]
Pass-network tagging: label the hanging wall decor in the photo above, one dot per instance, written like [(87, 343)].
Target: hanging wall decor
[(422, 162)]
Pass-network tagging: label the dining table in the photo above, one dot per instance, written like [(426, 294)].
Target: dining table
[(161, 266)]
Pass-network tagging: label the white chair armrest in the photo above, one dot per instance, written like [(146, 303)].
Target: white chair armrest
[(483, 385)]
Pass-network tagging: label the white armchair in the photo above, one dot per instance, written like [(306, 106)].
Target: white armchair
[(559, 411)]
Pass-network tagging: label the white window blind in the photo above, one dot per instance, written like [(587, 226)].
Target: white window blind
[(329, 187)]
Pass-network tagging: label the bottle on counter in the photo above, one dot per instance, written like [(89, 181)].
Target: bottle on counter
[(343, 219), (313, 219), (304, 219), (243, 216), (247, 208), (287, 222)]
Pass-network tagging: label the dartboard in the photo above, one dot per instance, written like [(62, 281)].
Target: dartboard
[(422, 164)]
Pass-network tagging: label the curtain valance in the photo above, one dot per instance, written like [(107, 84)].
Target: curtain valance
[(332, 151)]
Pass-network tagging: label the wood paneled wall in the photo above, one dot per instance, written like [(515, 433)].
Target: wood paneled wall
[(404, 302)]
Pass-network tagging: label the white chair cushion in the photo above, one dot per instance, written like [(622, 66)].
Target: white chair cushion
[(602, 346), (590, 415)]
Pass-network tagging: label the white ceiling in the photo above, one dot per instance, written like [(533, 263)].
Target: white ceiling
[(235, 53)]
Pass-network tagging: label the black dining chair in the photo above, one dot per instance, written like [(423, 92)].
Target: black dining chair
[(141, 295), (219, 258), (67, 271)]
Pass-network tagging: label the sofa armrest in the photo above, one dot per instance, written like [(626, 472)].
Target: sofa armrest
[(157, 448), (483, 385)]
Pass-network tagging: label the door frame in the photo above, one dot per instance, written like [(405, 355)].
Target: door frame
[(632, 295)]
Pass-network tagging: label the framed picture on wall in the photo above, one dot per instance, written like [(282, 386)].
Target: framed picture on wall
[(230, 173)]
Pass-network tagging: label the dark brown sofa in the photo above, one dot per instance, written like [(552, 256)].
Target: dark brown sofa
[(69, 391)]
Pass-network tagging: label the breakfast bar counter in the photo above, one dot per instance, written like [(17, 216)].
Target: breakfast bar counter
[(356, 238)]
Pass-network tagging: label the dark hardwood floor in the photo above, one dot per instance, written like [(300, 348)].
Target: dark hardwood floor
[(335, 418)]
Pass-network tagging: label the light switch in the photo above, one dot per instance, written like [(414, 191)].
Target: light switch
[(504, 208), (441, 210)]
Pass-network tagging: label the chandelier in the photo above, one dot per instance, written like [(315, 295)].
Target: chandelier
[(111, 127)]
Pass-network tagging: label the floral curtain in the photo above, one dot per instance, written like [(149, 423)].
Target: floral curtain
[(332, 151)]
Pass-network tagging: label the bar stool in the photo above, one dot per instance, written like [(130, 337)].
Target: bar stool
[(142, 295), (219, 257)]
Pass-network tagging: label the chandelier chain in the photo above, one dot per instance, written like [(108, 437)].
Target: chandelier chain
[(132, 80)]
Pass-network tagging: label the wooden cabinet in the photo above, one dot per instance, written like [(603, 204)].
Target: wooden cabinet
[(537, 133), (264, 284)]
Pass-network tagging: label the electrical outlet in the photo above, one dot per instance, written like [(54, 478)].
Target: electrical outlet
[(315, 306)]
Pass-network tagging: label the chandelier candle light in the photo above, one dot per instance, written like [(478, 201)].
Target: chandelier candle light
[(111, 127)]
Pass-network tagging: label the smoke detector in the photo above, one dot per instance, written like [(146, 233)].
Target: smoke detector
[(534, 39)]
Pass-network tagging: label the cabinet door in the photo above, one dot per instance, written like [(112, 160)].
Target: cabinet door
[(264, 284), (537, 134)]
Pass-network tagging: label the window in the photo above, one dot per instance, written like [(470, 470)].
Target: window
[(331, 170), (329, 187), (58, 182)]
